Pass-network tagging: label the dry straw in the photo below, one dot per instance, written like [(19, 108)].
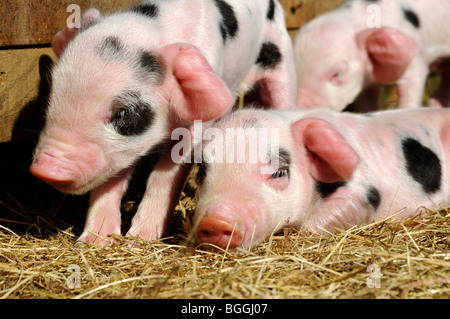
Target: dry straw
[(412, 256)]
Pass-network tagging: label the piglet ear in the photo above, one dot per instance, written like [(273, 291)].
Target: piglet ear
[(390, 52), (329, 157), (63, 37), (199, 93)]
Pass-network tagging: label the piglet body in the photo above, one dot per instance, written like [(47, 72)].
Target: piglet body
[(365, 44), (125, 81), (333, 170)]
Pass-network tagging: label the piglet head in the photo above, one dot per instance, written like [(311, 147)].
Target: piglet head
[(115, 97), (241, 203), (330, 68), (335, 63), (242, 178)]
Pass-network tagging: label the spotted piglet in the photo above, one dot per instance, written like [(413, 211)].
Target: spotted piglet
[(125, 81), (365, 44), (332, 170)]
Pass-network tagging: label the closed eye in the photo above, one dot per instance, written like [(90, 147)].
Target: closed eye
[(279, 174)]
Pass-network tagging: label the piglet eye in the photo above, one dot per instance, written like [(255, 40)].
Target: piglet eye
[(279, 174), (338, 74), (123, 114), (131, 115)]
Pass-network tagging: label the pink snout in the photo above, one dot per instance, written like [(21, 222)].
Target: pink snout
[(69, 171), (219, 231), (53, 171)]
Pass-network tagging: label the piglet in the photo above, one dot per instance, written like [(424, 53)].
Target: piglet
[(125, 81), (318, 169), (364, 44)]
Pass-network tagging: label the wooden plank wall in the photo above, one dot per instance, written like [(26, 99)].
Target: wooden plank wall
[(26, 30)]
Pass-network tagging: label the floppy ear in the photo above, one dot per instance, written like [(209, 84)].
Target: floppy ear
[(390, 52), (63, 37), (198, 93), (329, 157)]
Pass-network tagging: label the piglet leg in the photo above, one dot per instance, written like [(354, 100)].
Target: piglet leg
[(163, 189), (103, 217), (411, 86)]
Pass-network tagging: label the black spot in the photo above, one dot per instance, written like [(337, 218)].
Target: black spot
[(255, 98), (229, 24), (110, 47), (269, 56), (423, 165), (285, 158), (326, 189), (271, 10), (149, 10), (130, 115), (151, 65), (373, 197), (411, 17)]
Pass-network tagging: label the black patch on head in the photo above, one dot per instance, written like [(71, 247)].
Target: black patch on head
[(411, 17), (110, 47), (130, 114), (201, 173), (269, 56), (229, 24), (271, 10), (283, 163), (326, 189), (423, 165), (373, 197), (285, 158), (149, 10), (151, 65)]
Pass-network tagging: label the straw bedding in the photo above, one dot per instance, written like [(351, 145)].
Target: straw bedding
[(412, 256)]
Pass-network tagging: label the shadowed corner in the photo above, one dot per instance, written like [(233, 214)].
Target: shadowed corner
[(31, 118), (27, 204)]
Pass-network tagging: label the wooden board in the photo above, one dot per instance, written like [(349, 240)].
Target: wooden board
[(26, 30), (298, 12), (23, 86), (25, 22)]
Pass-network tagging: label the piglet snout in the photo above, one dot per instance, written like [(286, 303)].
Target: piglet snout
[(51, 170), (66, 168), (219, 231)]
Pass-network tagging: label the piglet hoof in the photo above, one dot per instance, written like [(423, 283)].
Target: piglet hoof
[(95, 240)]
